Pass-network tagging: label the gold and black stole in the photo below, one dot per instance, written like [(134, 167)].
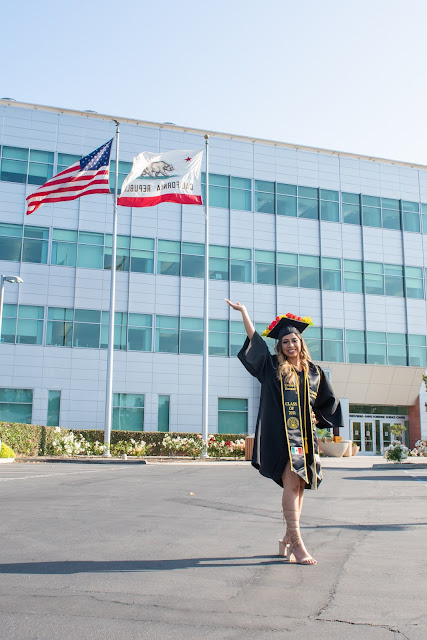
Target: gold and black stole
[(299, 427)]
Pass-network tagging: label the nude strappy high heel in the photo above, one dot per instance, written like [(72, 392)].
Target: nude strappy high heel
[(283, 548), (294, 536)]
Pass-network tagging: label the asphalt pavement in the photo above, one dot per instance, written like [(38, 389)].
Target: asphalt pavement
[(188, 551)]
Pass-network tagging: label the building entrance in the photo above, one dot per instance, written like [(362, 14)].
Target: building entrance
[(372, 433)]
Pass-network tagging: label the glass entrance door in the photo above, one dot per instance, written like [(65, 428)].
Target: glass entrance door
[(372, 435)]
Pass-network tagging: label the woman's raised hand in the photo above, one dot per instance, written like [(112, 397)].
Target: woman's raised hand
[(236, 305)]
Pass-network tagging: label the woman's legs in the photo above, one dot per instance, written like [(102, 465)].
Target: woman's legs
[(292, 499)]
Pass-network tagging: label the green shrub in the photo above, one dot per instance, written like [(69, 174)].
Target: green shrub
[(35, 440), (28, 439), (6, 452)]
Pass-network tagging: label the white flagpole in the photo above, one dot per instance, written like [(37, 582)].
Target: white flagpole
[(205, 403), (110, 357)]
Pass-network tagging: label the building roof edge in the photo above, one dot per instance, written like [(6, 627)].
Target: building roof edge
[(214, 134)]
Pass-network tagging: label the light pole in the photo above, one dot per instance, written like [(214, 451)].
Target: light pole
[(14, 280)]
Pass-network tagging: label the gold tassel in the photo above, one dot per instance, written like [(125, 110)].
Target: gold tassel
[(305, 445)]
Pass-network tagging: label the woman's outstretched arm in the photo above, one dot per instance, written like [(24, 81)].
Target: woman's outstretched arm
[(249, 327)]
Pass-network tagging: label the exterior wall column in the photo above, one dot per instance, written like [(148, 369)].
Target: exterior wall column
[(414, 419)]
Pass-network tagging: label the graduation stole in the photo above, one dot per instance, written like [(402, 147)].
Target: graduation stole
[(303, 449)]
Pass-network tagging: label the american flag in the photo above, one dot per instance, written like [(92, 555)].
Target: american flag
[(85, 177)]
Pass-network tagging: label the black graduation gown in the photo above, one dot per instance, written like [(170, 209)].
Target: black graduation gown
[(271, 452)]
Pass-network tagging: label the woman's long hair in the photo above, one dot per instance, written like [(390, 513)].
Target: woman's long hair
[(285, 368)]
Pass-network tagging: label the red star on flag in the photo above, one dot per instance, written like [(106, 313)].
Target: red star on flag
[(187, 159)]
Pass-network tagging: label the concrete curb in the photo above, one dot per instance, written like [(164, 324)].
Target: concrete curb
[(82, 460), (401, 465)]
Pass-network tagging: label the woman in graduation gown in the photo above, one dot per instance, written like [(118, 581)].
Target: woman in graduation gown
[(295, 394)]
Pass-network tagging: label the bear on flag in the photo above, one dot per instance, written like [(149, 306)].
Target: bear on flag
[(172, 176)]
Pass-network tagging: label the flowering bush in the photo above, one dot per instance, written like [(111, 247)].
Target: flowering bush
[(420, 449), (226, 448), (67, 444), (184, 446), (396, 452), (129, 447)]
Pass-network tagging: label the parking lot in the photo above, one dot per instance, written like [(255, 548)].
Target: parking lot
[(188, 550)]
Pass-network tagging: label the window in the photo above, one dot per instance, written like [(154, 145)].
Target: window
[(390, 213), (8, 326), (414, 282), (353, 276), (371, 211), (10, 242), (240, 265), (16, 405), (396, 349), (329, 205), (139, 332), (218, 337), (191, 336), (355, 346), (35, 244), (24, 165), (120, 329), (128, 411), (87, 328), (333, 345), (124, 170), (240, 194), (411, 216), (417, 351), (313, 340), (287, 269), (65, 160), (286, 200), (64, 247), (377, 347), (374, 278), (424, 217), (90, 254), (163, 411), (232, 415), (59, 330), (53, 408), (331, 274), (142, 255), (30, 325), (122, 252), (23, 325), (218, 262), (309, 272), (350, 208), (14, 164), (237, 336), (219, 191), (264, 196), (193, 260), (393, 279), (166, 334), (40, 169), (308, 203), (265, 269), (169, 257)]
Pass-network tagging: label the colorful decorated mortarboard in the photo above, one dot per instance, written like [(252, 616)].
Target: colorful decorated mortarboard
[(283, 325)]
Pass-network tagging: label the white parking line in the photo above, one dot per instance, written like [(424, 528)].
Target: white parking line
[(420, 475)]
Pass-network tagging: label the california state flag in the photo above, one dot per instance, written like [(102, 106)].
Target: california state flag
[(173, 176)]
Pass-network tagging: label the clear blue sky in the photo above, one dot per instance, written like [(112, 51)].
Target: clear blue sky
[(340, 74)]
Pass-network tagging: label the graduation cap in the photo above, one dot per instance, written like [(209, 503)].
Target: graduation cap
[(281, 325)]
